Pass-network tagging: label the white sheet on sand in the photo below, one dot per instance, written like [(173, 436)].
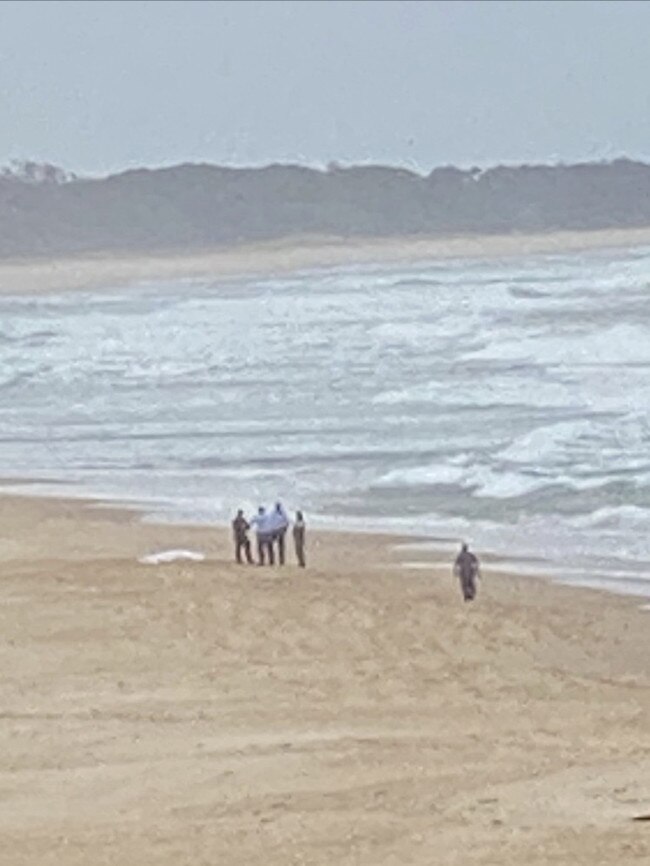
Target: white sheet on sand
[(172, 556)]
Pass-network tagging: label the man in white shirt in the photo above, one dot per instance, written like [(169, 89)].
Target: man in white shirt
[(278, 524), (263, 528)]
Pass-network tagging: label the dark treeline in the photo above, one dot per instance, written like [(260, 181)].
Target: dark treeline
[(44, 211)]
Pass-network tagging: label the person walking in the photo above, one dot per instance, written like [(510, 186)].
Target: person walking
[(240, 527), (299, 528), (264, 533), (467, 568), (279, 523)]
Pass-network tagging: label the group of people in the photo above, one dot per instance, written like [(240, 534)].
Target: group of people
[(271, 528)]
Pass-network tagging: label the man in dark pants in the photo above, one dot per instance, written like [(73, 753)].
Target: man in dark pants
[(466, 567), (278, 524), (240, 527)]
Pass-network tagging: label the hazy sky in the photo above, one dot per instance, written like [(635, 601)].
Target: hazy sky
[(102, 86)]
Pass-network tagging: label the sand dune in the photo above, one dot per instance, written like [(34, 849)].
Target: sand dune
[(352, 713)]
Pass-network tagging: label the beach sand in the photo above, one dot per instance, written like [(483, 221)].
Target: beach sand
[(42, 276), (351, 713)]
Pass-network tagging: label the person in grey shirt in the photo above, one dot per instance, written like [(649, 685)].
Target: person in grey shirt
[(467, 568), (299, 528), (240, 527)]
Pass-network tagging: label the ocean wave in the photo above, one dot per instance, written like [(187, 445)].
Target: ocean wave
[(549, 444), (487, 482), (616, 517), (614, 345), (417, 283), (20, 378), (431, 334), (29, 338), (417, 476), (528, 293), (523, 387)]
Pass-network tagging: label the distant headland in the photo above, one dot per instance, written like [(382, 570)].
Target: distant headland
[(47, 212)]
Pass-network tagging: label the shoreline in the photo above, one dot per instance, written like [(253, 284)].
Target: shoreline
[(124, 513), (419, 552), (336, 714), (90, 272)]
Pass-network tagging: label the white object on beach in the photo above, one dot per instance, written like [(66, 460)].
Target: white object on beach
[(172, 556)]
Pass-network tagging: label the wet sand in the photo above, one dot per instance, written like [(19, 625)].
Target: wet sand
[(351, 713), (45, 276)]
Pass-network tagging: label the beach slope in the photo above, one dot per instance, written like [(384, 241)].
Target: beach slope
[(351, 713)]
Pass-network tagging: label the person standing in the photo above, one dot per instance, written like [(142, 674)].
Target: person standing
[(279, 523), (467, 568), (299, 528), (240, 527), (264, 532)]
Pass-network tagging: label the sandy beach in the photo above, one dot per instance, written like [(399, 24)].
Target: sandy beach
[(351, 713), (43, 276)]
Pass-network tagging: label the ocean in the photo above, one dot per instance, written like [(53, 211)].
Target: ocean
[(502, 402)]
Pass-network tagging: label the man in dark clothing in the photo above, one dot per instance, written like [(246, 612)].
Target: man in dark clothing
[(278, 523), (299, 538), (240, 527), (466, 567)]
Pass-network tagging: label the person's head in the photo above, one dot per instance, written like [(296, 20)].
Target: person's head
[(240, 513), (464, 547), (299, 515), (278, 506), (261, 509)]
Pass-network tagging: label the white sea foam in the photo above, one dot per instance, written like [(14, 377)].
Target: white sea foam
[(628, 517), (512, 389), (547, 444), (434, 474), (485, 481), (618, 344)]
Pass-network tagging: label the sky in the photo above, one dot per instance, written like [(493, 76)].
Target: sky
[(99, 87)]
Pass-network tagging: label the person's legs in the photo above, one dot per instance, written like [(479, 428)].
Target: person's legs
[(247, 551), (281, 547), (270, 551), (238, 547), (469, 587), (300, 554), (261, 546)]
